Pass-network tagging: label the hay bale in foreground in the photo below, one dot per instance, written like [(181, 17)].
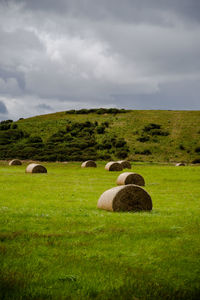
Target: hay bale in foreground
[(89, 164), (180, 164), (130, 178), (36, 168), (125, 198), (125, 164), (15, 162), (113, 166)]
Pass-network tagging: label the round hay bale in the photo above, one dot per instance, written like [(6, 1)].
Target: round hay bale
[(113, 166), (129, 197), (130, 178), (15, 162), (125, 164), (36, 168), (180, 164), (89, 164)]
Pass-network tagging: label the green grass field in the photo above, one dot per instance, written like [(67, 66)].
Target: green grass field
[(55, 243)]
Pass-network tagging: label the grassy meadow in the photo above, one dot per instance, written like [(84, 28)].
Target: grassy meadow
[(55, 243)]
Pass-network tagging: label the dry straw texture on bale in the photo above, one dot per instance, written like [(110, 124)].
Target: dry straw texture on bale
[(36, 168), (113, 166), (15, 162), (89, 164), (125, 164), (130, 178), (180, 164), (125, 198)]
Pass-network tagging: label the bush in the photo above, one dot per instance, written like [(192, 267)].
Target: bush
[(10, 136), (105, 124), (82, 111), (143, 139), (151, 126), (5, 126), (29, 152), (120, 143), (196, 161), (72, 111), (159, 132), (68, 138), (14, 126), (197, 149), (143, 152), (155, 129), (34, 139), (100, 129), (6, 121), (122, 154), (181, 147), (105, 145), (104, 156), (99, 111)]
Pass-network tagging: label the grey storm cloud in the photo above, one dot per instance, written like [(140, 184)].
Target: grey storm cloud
[(3, 109), (127, 10), (64, 54), (44, 106)]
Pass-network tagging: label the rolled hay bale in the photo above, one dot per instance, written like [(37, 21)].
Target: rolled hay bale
[(129, 197), (180, 164), (15, 162), (89, 164), (36, 168), (125, 164), (130, 178), (113, 166)]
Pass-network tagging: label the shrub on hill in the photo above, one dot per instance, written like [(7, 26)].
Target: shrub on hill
[(159, 132), (143, 139), (120, 143), (6, 125), (151, 126), (100, 129), (34, 142), (154, 129), (181, 147), (6, 121), (11, 136), (99, 111), (144, 152), (196, 161), (122, 153), (197, 149), (14, 126), (151, 130)]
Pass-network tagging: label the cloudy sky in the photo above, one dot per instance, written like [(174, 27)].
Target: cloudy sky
[(70, 54)]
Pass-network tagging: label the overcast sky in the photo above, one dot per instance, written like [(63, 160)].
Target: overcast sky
[(66, 54)]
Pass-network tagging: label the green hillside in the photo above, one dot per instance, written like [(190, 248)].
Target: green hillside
[(149, 135)]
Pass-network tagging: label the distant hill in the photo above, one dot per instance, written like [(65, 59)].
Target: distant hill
[(148, 135)]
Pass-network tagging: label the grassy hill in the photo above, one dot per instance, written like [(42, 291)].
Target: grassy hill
[(174, 135)]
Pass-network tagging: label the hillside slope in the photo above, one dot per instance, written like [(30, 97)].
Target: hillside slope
[(158, 136)]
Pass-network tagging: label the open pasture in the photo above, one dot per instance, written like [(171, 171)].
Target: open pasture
[(55, 243)]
